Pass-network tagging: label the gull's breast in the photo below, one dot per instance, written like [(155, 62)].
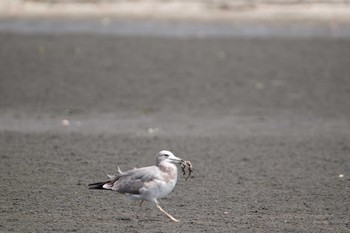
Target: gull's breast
[(168, 172), (164, 184)]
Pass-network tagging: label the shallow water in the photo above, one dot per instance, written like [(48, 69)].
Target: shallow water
[(108, 26)]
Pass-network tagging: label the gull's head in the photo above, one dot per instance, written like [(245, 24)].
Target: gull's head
[(167, 156)]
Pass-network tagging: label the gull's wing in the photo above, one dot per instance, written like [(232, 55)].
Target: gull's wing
[(133, 180)]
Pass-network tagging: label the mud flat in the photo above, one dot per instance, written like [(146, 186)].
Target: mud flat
[(265, 122)]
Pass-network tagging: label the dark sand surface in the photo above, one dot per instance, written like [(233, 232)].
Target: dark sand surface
[(265, 123)]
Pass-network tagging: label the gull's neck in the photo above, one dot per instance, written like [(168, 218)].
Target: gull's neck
[(163, 165), (169, 170)]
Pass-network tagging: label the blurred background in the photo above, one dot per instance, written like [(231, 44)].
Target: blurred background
[(141, 64)]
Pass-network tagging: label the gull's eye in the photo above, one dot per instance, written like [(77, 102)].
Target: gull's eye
[(166, 155)]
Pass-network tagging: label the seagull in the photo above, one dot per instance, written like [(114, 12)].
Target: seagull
[(146, 183)]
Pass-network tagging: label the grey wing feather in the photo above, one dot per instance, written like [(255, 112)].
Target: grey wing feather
[(133, 180)]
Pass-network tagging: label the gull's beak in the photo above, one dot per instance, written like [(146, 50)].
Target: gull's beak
[(176, 159)]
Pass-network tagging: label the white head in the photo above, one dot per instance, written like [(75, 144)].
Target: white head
[(167, 156)]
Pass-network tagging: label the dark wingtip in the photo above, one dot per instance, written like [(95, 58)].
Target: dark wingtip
[(98, 185)]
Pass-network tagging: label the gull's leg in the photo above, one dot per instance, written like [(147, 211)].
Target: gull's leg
[(140, 205), (168, 215)]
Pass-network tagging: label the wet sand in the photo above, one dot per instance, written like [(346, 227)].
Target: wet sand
[(265, 123)]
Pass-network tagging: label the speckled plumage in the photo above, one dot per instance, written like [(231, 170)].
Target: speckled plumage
[(146, 183)]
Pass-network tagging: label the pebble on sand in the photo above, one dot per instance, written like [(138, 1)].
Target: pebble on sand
[(65, 122)]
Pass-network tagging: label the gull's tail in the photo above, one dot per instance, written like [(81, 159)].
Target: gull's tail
[(98, 185), (107, 184)]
